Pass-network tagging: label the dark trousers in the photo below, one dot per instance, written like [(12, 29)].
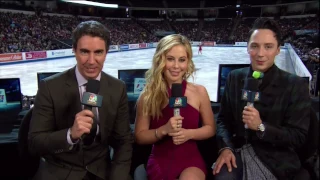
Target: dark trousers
[(90, 176), (49, 171), (316, 88), (235, 174)]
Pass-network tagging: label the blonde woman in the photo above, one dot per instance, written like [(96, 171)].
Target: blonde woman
[(175, 154)]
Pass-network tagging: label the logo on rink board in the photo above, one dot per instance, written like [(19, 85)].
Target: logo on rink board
[(139, 84)]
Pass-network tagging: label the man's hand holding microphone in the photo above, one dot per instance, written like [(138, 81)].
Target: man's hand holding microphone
[(82, 124), (85, 123)]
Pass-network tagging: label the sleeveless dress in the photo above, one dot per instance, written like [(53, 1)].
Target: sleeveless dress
[(167, 160)]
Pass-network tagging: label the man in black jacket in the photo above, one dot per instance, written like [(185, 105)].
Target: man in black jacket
[(277, 125)]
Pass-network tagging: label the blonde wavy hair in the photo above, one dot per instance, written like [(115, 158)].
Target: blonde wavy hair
[(155, 93)]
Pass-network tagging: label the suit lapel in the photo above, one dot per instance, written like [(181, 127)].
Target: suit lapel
[(103, 110), (72, 96), (244, 74), (271, 90)]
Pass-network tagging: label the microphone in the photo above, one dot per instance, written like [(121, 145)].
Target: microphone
[(250, 92), (177, 100), (91, 99)]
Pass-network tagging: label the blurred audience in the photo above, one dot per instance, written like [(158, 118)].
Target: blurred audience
[(36, 32)]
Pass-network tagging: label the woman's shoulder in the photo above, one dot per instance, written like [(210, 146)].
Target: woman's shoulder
[(197, 88)]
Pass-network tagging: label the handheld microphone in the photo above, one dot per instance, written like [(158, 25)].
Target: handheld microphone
[(177, 100), (250, 92), (91, 99)]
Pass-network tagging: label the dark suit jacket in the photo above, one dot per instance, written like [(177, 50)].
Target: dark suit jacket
[(56, 104), (284, 108)]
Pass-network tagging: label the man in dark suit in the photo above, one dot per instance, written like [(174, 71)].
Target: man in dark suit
[(59, 121), (277, 124)]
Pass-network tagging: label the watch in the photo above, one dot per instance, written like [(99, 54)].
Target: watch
[(261, 127)]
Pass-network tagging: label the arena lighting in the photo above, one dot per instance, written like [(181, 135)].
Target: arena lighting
[(92, 3)]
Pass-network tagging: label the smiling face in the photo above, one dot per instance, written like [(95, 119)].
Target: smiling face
[(90, 55), (263, 47), (176, 64)]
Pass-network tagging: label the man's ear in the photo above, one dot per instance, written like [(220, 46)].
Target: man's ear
[(248, 51), (278, 50)]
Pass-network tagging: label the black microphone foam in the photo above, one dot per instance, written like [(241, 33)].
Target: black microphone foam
[(176, 90), (251, 84), (93, 86)]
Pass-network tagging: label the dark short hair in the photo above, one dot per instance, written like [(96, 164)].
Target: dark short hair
[(266, 23), (91, 28)]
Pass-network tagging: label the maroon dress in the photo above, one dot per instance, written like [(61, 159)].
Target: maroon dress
[(167, 160)]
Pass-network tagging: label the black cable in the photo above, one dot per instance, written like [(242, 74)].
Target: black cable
[(81, 149), (83, 164), (246, 135), (69, 173), (244, 162)]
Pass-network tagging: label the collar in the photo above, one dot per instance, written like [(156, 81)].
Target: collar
[(82, 80)]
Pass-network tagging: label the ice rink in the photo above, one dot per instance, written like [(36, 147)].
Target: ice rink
[(207, 65)]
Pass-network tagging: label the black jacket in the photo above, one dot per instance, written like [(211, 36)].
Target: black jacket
[(284, 108)]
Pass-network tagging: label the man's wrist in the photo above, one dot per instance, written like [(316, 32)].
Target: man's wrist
[(222, 149), (261, 130), (261, 127), (70, 138)]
